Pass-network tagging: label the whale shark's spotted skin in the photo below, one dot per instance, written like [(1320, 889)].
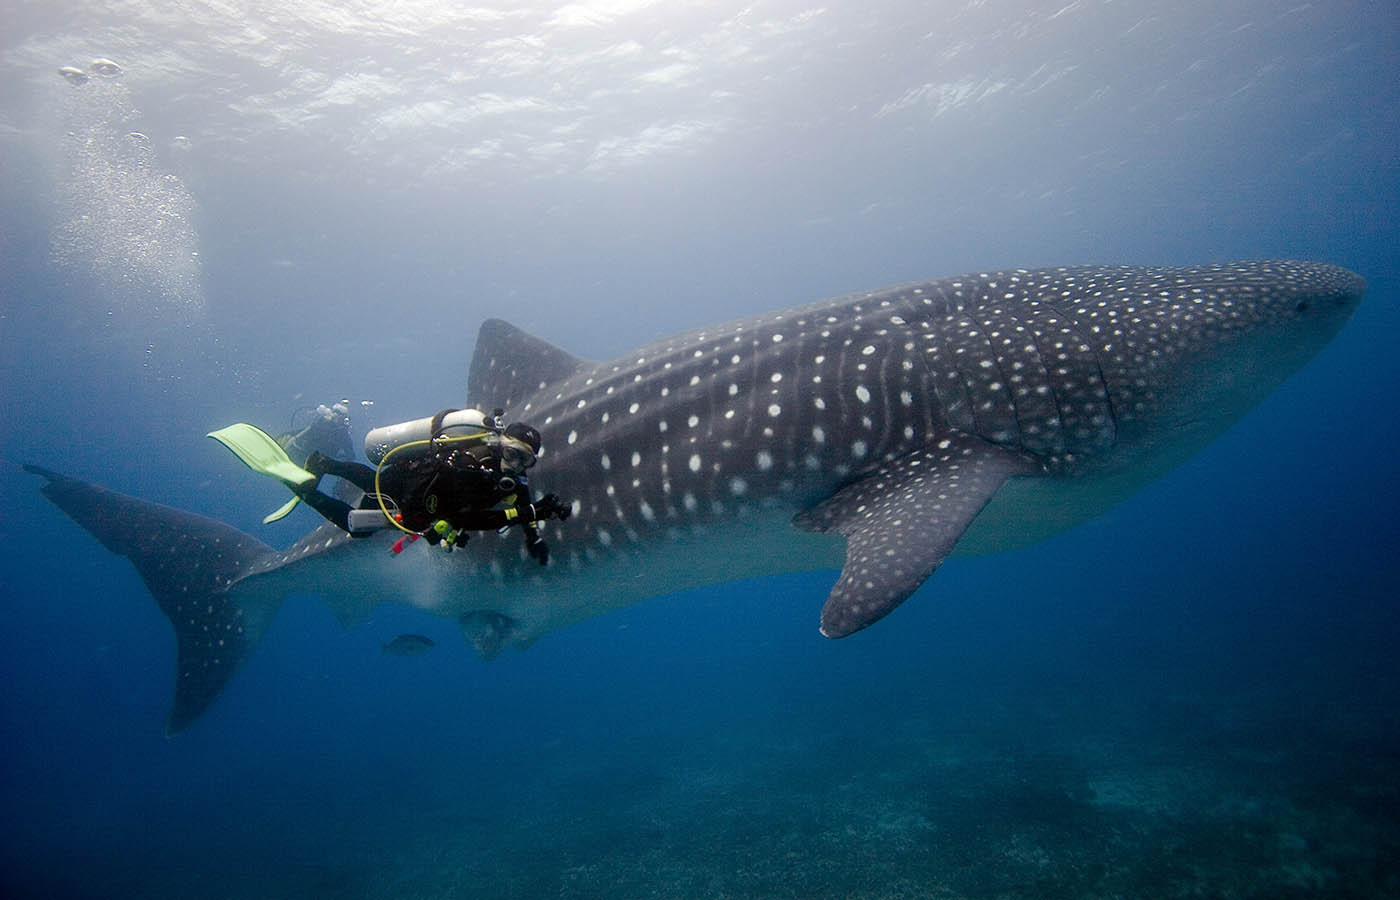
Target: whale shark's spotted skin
[(1053, 372), (876, 432)]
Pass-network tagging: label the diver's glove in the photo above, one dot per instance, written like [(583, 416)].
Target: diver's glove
[(551, 507), (537, 548)]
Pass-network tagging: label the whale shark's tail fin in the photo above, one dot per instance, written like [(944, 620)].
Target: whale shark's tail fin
[(188, 563)]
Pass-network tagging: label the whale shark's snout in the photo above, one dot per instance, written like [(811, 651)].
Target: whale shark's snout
[(1251, 333), (1330, 297), (1310, 292), (1342, 288), (1327, 299)]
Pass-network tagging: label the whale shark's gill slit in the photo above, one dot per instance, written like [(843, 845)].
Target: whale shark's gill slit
[(1073, 378), (990, 324), (880, 442), (1041, 404), (1011, 380), (966, 338), (1072, 322)]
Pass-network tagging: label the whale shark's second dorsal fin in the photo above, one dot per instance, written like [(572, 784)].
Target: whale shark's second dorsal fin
[(509, 365)]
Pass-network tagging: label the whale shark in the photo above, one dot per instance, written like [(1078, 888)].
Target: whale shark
[(876, 433)]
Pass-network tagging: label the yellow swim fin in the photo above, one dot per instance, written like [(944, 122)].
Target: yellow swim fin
[(281, 511), (265, 456)]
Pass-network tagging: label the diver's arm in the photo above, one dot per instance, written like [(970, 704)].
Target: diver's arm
[(534, 544), (524, 513), (548, 507)]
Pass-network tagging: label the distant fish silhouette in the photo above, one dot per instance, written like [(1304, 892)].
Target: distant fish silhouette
[(409, 645)]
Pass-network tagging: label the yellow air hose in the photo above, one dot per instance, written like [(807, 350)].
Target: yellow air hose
[(384, 460)]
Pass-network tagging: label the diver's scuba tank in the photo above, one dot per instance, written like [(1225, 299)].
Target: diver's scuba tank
[(457, 423)]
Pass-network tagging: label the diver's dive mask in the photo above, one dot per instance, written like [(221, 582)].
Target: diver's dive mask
[(516, 456)]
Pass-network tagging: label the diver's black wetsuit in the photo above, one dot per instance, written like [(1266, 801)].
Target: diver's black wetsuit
[(449, 485)]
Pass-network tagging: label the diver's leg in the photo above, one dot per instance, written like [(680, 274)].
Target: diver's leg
[(337, 512), (358, 474)]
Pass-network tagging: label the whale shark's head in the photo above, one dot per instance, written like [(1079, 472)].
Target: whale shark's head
[(1186, 352), (1257, 327), (1287, 310)]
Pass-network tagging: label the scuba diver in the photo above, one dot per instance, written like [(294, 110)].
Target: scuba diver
[(438, 478), (328, 432)]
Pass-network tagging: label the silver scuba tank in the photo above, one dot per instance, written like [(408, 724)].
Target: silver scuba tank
[(458, 423)]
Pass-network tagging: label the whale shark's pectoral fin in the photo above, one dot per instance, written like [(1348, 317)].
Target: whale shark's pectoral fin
[(902, 520)]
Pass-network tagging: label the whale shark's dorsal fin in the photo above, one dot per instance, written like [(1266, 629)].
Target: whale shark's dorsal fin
[(510, 364), (902, 520)]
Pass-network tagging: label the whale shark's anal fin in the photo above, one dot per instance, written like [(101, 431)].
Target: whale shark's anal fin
[(510, 364), (188, 563), (902, 520)]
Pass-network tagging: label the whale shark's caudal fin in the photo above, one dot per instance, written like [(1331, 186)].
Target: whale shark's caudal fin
[(509, 365), (188, 563)]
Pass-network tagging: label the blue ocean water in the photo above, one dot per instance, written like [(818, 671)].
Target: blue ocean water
[(1193, 695)]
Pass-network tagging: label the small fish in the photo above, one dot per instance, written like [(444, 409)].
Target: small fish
[(409, 645)]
